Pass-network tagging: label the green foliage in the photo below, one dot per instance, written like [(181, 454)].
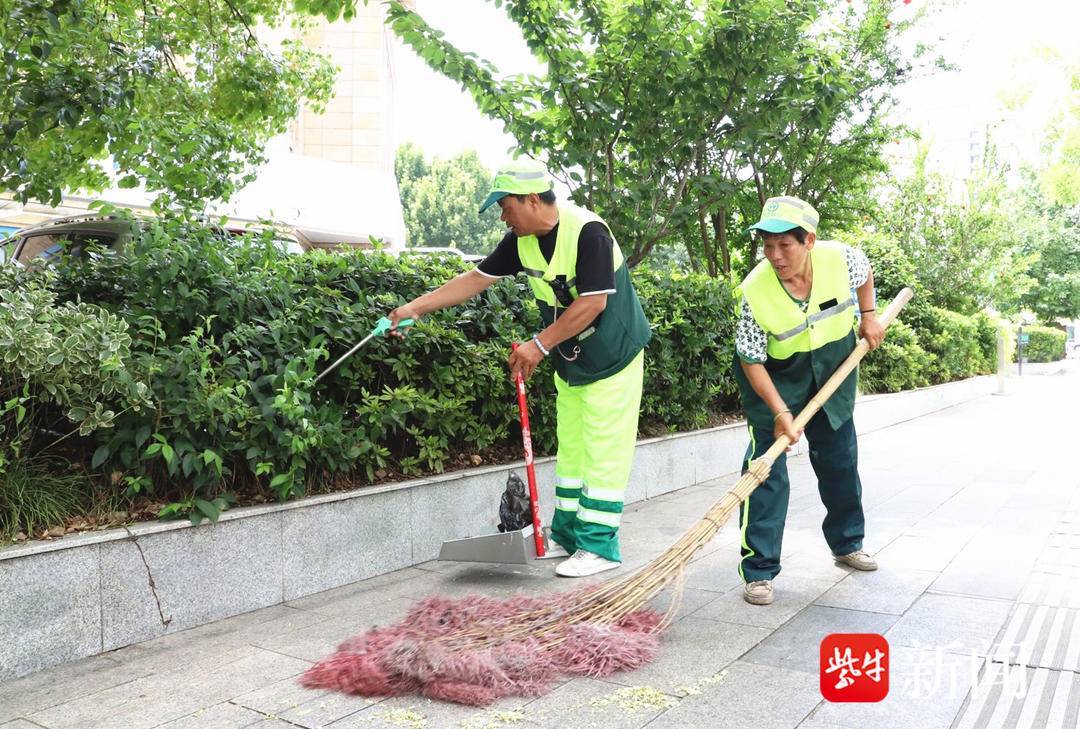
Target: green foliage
[(673, 120), (1045, 344), (689, 357), (898, 364), (38, 494), (440, 200), (63, 366), (892, 266), (180, 96), (231, 336), (930, 346), (1059, 177), (1052, 243), (963, 255), (962, 346)]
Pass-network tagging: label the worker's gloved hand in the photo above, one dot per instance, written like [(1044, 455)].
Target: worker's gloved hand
[(405, 311), (785, 425), (871, 330), (524, 359)]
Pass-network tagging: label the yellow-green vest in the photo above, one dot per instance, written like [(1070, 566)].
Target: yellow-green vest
[(829, 314), (621, 330), (804, 345)]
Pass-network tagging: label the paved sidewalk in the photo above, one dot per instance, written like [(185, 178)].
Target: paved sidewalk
[(973, 513)]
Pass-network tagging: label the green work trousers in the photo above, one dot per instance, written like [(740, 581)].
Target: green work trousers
[(834, 455)]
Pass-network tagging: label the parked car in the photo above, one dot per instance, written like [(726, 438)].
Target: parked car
[(441, 251), (78, 234)]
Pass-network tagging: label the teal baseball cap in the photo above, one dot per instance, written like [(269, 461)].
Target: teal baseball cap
[(781, 214), (519, 177)]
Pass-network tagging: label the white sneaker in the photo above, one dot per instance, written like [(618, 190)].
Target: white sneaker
[(554, 550), (858, 559), (583, 564), (758, 592)]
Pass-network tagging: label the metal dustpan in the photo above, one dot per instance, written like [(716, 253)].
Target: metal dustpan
[(518, 547), (513, 547)]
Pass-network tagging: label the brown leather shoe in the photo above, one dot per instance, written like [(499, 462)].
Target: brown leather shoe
[(858, 559)]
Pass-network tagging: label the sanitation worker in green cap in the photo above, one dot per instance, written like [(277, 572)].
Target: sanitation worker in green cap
[(594, 332), (799, 312)]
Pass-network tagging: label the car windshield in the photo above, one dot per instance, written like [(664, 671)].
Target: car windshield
[(290, 246), (48, 246)]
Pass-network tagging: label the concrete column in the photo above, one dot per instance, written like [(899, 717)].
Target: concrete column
[(1002, 361)]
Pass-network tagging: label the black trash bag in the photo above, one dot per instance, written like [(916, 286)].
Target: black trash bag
[(515, 512)]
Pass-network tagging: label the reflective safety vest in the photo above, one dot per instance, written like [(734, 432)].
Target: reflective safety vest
[(610, 341), (805, 344), (828, 316)]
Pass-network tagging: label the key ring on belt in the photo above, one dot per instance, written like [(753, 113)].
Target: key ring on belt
[(558, 347)]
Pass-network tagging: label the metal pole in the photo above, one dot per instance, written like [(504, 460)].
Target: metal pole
[(344, 357), (1020, 352), (1003, 360)]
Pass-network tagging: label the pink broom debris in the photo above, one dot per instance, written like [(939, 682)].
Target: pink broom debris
[(475, 650)]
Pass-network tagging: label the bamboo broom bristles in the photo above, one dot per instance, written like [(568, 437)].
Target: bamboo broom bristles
[(611, 601)]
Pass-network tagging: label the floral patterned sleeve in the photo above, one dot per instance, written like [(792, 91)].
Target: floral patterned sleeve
[(858, 266), (750, 341)]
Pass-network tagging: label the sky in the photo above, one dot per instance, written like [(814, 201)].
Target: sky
[(433, 111), (985, 38)]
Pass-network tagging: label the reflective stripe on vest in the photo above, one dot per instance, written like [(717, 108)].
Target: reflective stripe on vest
[(564, 260), (790, 329)]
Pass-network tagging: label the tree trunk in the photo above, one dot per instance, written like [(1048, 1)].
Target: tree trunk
[(719, 221), (706, 246), (695, 264)]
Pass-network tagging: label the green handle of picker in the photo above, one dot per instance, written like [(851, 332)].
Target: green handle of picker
[(384, 324)]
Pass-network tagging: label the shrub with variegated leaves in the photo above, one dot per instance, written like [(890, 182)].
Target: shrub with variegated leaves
[(63, 367)]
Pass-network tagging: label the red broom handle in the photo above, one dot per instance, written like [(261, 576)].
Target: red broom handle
[(530, 470)]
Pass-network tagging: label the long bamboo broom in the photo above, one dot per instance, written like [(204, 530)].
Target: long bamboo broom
[(474, 650)]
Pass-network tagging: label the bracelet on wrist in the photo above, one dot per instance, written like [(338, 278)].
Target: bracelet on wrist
[(867, 311), (543, 350), (777, 416)]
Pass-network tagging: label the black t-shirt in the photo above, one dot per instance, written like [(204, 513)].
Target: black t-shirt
[(595, 263)]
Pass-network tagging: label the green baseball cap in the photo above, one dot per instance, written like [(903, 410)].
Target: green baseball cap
[(519, 177), (781, 214)]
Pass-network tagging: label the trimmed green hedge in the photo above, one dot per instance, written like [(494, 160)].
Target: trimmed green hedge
[(1045, 344), (228, 338), (898, 364), (929, 346)]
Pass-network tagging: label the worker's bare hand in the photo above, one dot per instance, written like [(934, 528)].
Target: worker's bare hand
[(785, 425), (524, 359), (405, 311), (871, 330)]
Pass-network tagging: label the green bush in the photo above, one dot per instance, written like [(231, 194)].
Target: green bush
[(1045, 344), (64, 367), (898, 364), (688, 378), (228, 336), (231, 336), (929, 346), (893, 269), (962, 346), (65, 372)]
